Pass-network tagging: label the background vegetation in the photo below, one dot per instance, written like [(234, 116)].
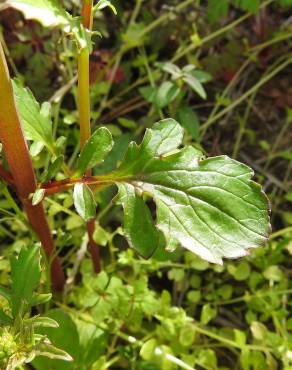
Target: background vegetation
[(173, 310)]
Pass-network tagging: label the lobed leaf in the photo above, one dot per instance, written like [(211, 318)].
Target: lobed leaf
[(210, 207), (48, 12)]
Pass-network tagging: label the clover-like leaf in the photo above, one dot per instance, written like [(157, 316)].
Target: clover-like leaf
[(95, 149), (209, 206), (48, 12)]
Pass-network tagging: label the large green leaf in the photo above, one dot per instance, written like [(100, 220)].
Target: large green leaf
[(210, 206), (48, 12), (25, 276), (35, 119)]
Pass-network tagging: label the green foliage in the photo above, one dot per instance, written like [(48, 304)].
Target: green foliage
[(48, 12), (19, 341), (36, 121), (95, 149), (84, 201), (171, 309), (210, 206), (27, 264)]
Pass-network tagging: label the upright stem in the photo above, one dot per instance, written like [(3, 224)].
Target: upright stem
[(83, 96), (84, 116), (86, 13), (20, 164)]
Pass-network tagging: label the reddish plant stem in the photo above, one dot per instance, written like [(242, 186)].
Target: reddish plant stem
[(54, 187), (6, 175), (86, 14), (93, 247), (20, 164), (84, 117)]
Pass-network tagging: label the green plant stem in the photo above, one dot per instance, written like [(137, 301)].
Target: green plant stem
[(284, 231), (83, 96), (20, 164), (84, 117)]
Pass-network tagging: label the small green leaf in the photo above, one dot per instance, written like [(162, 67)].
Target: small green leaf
[(36, 121), (190, 121), (40, 298), (40, 321), (104, 4), (38, 196), (84, 201), (95, 150), (25, 276), (202, 76), (249, 5), (273, 273), (147, 351), (46, 349), (100, 235), (48, 12), (54, 168), (208, 313), (217, 9), (139, 228), (166, 93), (240, 271), (187, 335), (195, 84), (170, 68)]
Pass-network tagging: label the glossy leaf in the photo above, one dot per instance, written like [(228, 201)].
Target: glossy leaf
[(139, 227), (84, 201), (41, 321), (48, 350), (25, 276), (211, 207), (195, 85), (48, 12), (38, 196), (95, 149), (35, 119)]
